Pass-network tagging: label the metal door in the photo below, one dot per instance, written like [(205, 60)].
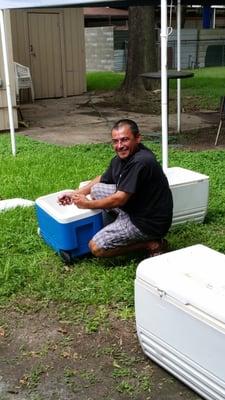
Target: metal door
[(45, 54)]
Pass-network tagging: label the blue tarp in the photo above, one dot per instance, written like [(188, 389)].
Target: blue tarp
[(207, 17)]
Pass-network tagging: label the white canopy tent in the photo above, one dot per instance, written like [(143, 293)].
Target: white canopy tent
[(18, 4)]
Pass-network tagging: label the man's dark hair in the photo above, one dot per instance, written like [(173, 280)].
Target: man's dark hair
[(132, 125)]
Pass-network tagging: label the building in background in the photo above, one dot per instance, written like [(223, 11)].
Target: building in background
[(51, 43), (4, 120), (105, 16)]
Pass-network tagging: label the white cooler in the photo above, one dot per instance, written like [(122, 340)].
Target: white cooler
[(180, 316), (190, 192)]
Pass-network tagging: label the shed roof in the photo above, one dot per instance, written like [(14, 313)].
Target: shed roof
[(105, 11)]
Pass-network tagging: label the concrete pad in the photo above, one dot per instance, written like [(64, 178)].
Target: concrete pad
[(76, 120)]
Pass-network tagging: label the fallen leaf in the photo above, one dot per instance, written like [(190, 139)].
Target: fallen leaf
[(116, 365), (65, 354), (2, 331)]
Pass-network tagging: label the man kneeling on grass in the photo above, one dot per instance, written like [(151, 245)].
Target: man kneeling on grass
[(134, 195)]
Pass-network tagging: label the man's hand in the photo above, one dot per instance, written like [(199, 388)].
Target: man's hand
[(73, 197), (66, 198), (80, 200)]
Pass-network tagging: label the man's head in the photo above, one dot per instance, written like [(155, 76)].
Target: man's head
[(125, 137)]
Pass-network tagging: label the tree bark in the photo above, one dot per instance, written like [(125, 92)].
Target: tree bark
[(142, 52)]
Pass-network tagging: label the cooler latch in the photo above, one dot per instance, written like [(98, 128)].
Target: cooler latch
[(161, 292)]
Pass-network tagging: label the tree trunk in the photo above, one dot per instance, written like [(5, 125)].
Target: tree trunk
[(142, 53)]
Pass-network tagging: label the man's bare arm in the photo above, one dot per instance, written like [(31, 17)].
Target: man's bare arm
[(117, 199)]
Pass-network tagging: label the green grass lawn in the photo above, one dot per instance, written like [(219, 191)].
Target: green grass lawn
[(28, 267), (104, 80), (206, 87)]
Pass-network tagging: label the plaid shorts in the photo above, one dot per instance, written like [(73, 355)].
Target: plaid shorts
[(121, 231)]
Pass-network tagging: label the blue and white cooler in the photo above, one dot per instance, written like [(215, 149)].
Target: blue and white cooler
[(67, 229)]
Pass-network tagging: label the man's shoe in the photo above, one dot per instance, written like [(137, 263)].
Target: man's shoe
[(157, 247)]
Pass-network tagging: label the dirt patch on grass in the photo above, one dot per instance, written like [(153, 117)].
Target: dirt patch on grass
[(198, 139), (48, 352), (90, 117)]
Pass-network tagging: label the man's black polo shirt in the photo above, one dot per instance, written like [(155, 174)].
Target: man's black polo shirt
[(150, 206)]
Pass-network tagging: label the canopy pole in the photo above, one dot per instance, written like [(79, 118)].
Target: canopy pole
[(164, 86), (178, 66), (7, 82), (214, 18)]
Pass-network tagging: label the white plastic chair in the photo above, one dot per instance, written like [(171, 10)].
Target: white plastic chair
[(23, 79)]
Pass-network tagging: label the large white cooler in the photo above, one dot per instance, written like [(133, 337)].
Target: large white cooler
[(67, 229), (180, 316), (190, 192)]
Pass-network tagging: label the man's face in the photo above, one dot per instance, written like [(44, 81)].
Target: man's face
[(124, 142)]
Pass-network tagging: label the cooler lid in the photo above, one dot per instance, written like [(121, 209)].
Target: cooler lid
[(63, 214), (180, 176), (194, 276)]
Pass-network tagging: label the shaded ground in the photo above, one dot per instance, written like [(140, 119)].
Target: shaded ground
[(89, 118), (48, 352)]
